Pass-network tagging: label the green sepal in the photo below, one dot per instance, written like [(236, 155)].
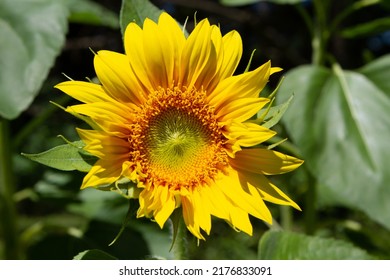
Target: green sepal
[(67, 157), (273, 93), (126, 188), (275, 113), (94, 254), (270, 147), (86, 119), (250, 61), (124, 223), (271, 115)]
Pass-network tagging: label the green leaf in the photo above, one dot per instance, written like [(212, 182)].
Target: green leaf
[(137, 11), (281, 245), (369, 28), (94, 255), (33, 33), (88, 12), (248, 2), (274, 114), (340, 122), (65, 157)]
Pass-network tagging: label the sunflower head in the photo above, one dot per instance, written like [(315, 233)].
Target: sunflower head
[(170, 116)]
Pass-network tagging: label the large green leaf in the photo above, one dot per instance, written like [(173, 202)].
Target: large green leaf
[(340, 122), (32, 34), (279, 245), (65, 157), (137, 11)]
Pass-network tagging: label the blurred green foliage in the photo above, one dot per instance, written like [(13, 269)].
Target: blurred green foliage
[(336, 67)]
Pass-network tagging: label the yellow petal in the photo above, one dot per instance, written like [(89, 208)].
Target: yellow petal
[(134, 48), (213, 197), (145, 199), (268, 191), (158, 59), (113, 111), (188, 216), (166, 207), (232, 52), (84, 91), (114, 72), (210, 81), (248, 134), (104, 172), (240, 109), (239, 219), (163, 43), (198, 60), (231, 186), (246, 85), (228, 52), (262, 161), (102, 145), (112, 117), (201, 210)]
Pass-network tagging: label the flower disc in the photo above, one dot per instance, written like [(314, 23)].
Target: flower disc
[(177, 139)]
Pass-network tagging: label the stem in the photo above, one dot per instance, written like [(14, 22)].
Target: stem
[(286, 218), (320, 33), (8, 216), (316, 44)]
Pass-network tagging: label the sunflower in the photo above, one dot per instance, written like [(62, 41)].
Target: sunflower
[(170, 116)]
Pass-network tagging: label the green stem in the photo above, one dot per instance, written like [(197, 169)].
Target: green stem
[(286, 218), (320, 32), (8, 216)]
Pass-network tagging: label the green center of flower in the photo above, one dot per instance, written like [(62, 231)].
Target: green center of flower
[(176, 139)]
